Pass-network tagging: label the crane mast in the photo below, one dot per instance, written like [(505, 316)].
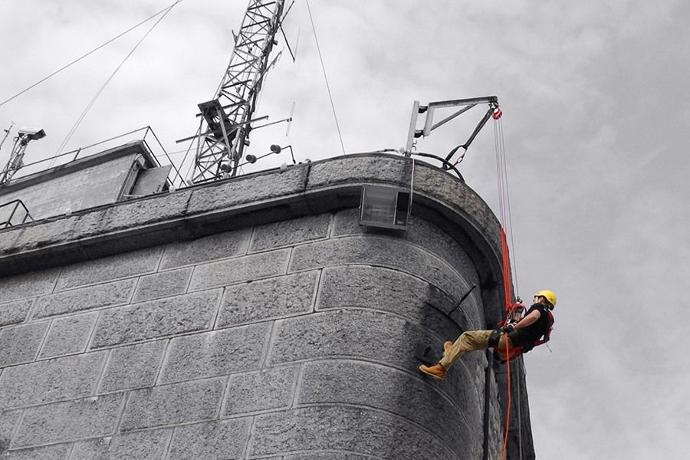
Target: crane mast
[(226, 119)]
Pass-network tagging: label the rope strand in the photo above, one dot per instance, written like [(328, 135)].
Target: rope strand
[(325, 77), (85, 55), (112, 75)]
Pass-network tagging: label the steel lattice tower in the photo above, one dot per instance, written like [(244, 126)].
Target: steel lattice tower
[(226, 120)]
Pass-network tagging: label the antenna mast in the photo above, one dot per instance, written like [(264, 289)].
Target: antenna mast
[(226, 119)]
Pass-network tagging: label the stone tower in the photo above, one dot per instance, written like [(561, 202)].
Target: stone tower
[(253, 318)]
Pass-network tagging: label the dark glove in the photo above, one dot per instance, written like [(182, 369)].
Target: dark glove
[(508, 328)]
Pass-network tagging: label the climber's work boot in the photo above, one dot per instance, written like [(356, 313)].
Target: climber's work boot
[(437, 371)]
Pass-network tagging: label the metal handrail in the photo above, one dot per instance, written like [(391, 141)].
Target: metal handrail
[(17, 203)]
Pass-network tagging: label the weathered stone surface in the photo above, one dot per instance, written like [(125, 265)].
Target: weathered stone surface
[(329, 455), (45, 233), (133, 366), (212, 440), (245, 268), (109, 268), (68, 335), (86, 418), (157, 318), (139, 445), (20, 344), (290, 232), (55, 452), (214, 353), (421, 232), (255, 391), (379, 288), (355, 429), (28, 285), (164, 284), (100, 295), (179, 403), (270, 298), (8, 420), (358, 169), (359, 383), (381, 251), (14, 312), (218, 246), (251, 188), (46, 381), (146, 211), (381, 337)]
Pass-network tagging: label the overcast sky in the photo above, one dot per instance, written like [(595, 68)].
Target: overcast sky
[(596, 109)]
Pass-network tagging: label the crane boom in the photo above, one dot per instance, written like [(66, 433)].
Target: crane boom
[(226, 119)]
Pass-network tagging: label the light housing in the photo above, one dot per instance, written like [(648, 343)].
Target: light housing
[(384, 207)]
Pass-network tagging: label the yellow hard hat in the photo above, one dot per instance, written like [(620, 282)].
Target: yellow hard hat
[(549, 295)]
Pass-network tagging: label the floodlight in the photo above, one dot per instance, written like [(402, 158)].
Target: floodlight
[(384, 207)]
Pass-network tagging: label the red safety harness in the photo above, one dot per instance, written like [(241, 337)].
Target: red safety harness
[(515, 314)]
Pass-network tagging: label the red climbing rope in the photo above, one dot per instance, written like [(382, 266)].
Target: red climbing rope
[(505, 220), (510, 402)]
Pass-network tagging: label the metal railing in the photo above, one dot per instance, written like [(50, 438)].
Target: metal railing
[(13, 213), (144, 134)]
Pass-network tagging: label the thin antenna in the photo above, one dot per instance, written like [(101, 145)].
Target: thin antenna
[(7, 132)]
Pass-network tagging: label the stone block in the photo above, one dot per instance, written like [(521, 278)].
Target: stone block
[(28, 284), (216, 246), (263, 390), (68, 335), (378, 336), (157, 318), (139, 445), (360, 430), (211, 440), (45, 233), (109, 268), (215, 353), (245, 268), (133, 366), (420, 232), (248, 189), (55, 452), (20, 344), (169, 404), (14, 312), (89, 224), (63, 421), (290, 232), (164, 284), (42, 382), (269, 298), (378, 288), (359, 169), (359, 383), (146, 211), (380, 251), (100, 295)]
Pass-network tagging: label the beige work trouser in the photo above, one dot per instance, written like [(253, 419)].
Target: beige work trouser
[(471, 341)]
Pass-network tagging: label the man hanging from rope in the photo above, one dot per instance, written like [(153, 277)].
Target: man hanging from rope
[(512, 339)]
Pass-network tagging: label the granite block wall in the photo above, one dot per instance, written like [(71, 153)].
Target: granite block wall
[(289, 340)]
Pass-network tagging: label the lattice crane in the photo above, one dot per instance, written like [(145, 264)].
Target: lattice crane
[(227, 118)]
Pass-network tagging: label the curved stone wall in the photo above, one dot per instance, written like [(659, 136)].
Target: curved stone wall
[(292, 335)]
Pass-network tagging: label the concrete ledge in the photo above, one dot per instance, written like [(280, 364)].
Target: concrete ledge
[(259, 198)]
